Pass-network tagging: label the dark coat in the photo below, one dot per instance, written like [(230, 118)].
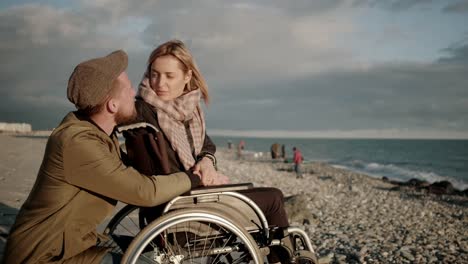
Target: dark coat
[(150, 151)]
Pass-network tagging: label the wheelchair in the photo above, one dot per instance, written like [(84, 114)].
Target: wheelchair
[(213, 224)]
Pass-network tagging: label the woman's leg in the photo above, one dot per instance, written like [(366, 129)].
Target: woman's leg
[(271, 202)]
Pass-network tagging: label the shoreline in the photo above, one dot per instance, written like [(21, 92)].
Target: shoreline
[(351, 217), (460, 184), (457, 184), (356, 218), (34, 133)]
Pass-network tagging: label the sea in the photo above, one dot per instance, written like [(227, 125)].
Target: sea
[(398, 159)]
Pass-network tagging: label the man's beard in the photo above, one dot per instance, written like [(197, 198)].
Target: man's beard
[(123, 119)]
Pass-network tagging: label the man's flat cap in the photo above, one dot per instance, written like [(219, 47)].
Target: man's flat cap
[(91, 80)]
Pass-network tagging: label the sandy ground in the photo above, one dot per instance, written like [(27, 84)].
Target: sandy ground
[(20, 159), (350, 217)]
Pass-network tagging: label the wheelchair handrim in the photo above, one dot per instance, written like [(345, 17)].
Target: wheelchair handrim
[(146, 236)]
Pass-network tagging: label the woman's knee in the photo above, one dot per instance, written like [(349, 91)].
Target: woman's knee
[(276, 199), (277, 194)]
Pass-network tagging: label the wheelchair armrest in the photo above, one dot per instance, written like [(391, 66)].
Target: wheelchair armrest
[(220, 188)]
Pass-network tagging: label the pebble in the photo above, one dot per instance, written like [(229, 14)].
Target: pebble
[(326, 259)]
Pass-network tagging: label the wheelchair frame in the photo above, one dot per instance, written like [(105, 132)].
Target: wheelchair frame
[(200, 205)]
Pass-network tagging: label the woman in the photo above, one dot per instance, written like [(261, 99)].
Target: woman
[(169, 99)]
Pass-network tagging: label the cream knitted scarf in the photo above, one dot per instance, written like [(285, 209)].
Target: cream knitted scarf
[(172, 115)]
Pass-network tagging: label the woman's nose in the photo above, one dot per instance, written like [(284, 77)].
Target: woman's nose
[(160, 81)]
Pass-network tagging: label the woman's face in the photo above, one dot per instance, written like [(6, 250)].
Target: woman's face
[(167, 78)]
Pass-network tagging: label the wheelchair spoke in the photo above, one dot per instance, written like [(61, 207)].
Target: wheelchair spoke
[(188, 244), (225, 243), (241, 259), (147, 259), (206, 240), (179, 249), (196, 239), (167, 245), (213, 241)]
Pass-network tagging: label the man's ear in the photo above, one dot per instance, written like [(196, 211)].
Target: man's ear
[(112, 106)]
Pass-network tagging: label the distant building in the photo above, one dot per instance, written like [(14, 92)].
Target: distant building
[(15, 128)]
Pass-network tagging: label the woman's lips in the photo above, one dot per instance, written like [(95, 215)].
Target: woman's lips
[(162, 93)]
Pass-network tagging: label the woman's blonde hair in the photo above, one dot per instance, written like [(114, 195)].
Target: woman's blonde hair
[(178, 50)]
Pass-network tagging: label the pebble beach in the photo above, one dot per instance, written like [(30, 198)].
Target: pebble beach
[(355, 218), (350, 217)]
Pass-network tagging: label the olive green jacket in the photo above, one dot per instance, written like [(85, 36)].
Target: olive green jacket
[(77, 187)]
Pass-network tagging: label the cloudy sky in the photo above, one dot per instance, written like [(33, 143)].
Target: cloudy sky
[(352, 68)]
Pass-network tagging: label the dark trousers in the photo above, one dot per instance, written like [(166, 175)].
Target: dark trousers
[(270, 200)]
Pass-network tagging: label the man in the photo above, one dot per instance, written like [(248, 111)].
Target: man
[(82, 175), (297, 158)]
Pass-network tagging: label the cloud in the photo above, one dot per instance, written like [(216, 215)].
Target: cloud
[(236, 42), (269, 64), (40, 47), (393, 5), (387, 96), (457, 7), (457, 53)]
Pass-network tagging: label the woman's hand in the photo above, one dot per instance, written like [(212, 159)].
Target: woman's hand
[(205, 169), (222, 179), (208, 174)]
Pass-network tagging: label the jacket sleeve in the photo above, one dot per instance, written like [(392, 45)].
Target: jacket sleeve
[(93, 164), (208, 150), (208, 145)]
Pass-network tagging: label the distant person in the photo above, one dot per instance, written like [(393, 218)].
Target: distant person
[(274, 150), (82, 175), (240, 148), (283, 152), (229, 144), (298, 159)]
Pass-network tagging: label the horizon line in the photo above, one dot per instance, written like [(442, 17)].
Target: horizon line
[(343, 134), (326, 134)]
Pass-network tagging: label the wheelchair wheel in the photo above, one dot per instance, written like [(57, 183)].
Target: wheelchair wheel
[(302, 255), (122, 228), (306, 257), (193, 236)]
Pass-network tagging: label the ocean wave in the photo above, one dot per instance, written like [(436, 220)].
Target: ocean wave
[(459, 158), (324, 160), (400, 173)]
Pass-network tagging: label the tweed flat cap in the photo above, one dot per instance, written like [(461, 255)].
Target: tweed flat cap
[(91, 80)]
